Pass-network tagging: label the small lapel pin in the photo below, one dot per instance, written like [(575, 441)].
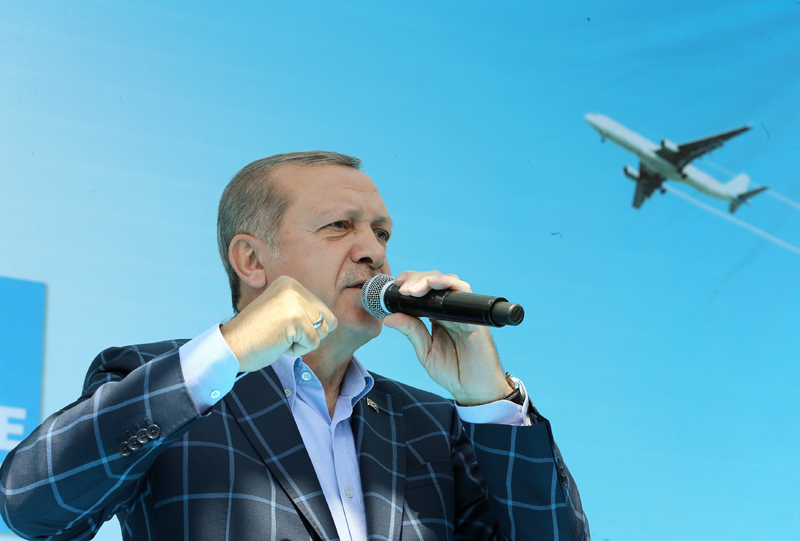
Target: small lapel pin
[(371, 403)]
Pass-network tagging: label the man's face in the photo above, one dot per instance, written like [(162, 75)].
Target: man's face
[(332, 239)]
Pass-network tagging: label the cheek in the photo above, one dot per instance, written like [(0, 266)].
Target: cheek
[(313, 260)]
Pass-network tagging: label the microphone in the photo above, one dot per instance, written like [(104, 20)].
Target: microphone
[(381, 297)]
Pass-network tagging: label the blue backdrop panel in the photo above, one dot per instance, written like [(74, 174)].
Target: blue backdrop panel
[(21, 339)]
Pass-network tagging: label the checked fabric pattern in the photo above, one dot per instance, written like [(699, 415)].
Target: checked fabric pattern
[(241, 472)]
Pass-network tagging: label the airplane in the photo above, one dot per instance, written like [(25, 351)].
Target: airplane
[(669, 161)]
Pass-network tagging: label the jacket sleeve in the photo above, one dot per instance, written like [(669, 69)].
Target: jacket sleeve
[(83, 464), (529, 490)]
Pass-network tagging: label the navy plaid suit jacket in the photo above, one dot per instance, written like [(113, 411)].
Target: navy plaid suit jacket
[(241, 471)]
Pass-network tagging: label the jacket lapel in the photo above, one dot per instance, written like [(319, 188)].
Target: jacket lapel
[(379, 434), (261, 409)]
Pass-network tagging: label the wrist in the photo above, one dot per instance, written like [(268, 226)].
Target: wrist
[(501, 390), (230, 333)]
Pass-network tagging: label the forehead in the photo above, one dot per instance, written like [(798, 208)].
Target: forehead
[(323, 190)]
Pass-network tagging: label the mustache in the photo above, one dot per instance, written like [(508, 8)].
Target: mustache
[(358, 275)]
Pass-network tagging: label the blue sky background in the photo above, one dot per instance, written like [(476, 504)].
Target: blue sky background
[(662, 343)]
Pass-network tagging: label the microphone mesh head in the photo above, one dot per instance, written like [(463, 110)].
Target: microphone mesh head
[(371, 295)]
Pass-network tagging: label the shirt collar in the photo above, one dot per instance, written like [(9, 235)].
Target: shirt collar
[(357, 381)]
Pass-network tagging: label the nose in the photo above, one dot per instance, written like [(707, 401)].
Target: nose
[(368, 249)]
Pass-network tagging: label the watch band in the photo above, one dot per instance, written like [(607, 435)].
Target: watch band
[(516, 395)]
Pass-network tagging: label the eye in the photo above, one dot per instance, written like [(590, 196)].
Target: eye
[(382, 234), (341, 224)]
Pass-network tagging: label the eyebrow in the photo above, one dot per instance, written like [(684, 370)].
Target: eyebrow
[(353, 214)]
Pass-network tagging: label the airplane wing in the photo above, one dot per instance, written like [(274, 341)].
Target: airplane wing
[(646, 184), (694, 149)]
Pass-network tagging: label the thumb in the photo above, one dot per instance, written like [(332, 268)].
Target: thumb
[(414, 329)]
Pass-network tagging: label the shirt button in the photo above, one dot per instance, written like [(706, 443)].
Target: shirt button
[(306, 376), (215, 394), (348, 492), (287, 392)]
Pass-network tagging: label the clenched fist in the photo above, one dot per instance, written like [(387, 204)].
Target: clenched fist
[(280, 320)]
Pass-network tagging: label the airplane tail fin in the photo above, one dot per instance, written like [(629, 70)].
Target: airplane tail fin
[(742, 198), (738, 184)]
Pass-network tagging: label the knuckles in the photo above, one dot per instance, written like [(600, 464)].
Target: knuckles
[(295, 313), (411, 278)]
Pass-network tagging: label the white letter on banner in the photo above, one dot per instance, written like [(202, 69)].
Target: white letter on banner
[(7, 428)]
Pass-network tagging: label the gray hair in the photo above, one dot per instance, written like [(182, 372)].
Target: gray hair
[(251, 203)]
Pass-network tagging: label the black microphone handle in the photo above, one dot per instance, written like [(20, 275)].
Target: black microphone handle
[(455, 306)]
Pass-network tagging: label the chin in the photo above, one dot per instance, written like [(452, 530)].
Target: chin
[(364, 326), (371, 328)]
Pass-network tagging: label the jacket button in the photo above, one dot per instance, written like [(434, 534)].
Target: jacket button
[(134, 444), (153, 431), (141, 435), (124, 449)]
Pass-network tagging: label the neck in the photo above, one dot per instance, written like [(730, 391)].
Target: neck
[(329, 364)]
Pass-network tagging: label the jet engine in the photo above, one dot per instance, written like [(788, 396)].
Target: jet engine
[(631, 172), (666, 144)]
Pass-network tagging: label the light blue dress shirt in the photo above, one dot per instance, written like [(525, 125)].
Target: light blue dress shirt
[(330, 442), (210, 371)]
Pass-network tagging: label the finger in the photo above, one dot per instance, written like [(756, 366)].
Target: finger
[(322, 328), (418, 284), (414, 329), (303, 337), (329, 320), (448, 281), (316, 308), (402, 277), (306, 338), (323, 323), (319, 321)]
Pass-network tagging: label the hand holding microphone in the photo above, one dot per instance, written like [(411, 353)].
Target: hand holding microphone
[(458, 351)]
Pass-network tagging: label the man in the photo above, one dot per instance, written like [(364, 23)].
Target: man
[(268, 427)]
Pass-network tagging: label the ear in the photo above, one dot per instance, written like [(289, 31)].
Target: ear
[(246, 254)]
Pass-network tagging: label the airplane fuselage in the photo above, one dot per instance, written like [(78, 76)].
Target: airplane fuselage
[(646, 152)]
